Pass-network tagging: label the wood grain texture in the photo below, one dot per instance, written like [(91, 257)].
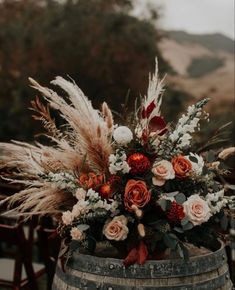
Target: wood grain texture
[(84, 272)]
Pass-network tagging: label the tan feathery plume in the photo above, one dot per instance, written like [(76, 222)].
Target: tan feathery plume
[(107, 114), (83, 119), (44, 199)]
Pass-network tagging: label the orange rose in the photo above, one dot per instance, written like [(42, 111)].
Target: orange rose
[(136, 193), (90, 180), (182, 166)]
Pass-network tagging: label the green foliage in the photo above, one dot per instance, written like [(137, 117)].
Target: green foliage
[(204, 65), (106, 51)]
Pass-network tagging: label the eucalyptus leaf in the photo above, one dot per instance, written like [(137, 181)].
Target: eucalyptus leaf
[(188, 226), (180, 198), (164, 204), (184, 221), (179, 230), (83, 227), (170, 241), (183, 251)]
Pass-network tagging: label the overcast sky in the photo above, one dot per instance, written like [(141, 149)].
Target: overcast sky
[(198, 16)]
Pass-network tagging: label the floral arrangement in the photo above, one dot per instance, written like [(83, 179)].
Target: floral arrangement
[(139, 186)]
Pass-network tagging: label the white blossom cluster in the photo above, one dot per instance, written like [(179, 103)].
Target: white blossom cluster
[(96, 202), (117, 163), (63, 180), (216, 201), (84, 206), (187, 125)]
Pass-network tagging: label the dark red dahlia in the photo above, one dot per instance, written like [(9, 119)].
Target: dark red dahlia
[(176, 213), (138, 163)]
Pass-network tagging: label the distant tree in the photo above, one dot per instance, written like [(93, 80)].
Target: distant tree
[(95, 42)]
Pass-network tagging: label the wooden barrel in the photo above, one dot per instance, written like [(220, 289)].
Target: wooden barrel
[(85, 272)]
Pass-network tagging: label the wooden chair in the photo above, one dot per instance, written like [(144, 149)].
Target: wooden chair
[(49, 246), (17, 269)]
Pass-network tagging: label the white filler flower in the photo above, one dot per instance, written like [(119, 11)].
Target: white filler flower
[(122, 135)]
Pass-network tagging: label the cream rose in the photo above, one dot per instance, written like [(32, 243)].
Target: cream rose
[(162, 170), (116, 229), (67, 217), (196, 210), (76, 234)]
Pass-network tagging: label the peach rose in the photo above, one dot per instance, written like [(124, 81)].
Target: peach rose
[(162, 171), (136, 193), (76, 234), (116, 229), (196, 210), (182, 166)]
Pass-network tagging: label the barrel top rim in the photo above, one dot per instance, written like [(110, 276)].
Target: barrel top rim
[(149, 262)]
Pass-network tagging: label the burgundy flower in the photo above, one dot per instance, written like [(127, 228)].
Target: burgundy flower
[(138, 163)]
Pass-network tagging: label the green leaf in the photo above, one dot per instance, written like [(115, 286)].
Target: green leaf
[(164, 204), (183, 251), (170, 241), (184, 221), (224, 222), (157, 236), (188, 226), (211, 156), (178, 230), (180, 198), (204, 170), (158, 224), (74, 246), (83, 227), (193, 159)]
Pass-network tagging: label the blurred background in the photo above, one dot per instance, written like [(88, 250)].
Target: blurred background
[(109, 47)]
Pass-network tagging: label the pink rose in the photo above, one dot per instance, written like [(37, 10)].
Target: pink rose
[(116, 229), (196, 210), (162, 170)]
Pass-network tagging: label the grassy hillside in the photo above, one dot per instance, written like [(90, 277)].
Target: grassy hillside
[(213, 42)]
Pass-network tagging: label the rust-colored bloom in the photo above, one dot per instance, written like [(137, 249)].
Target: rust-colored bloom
[(136, 193), (90, 180), (182, 166), (106, 190), (138, 163)]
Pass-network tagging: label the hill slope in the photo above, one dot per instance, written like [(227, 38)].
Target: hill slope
[(203, 64)]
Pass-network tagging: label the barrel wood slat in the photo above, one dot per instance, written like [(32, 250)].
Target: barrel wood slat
[(85, 272)]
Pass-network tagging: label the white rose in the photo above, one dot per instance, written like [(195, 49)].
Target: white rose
[(76, 234), (67, 217), (196, 210), (196, 166), (122, 135), (116, 229), (162, 170)]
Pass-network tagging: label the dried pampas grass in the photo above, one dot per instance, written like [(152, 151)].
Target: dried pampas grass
[(83, 145)]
